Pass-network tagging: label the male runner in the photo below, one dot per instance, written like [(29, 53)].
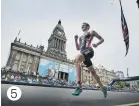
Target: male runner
[(85, 55)]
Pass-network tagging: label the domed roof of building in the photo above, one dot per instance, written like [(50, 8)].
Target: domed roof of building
[(59, 27)]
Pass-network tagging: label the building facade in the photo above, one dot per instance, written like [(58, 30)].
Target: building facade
[(27, 59), (105, 75), (53, 62), (120, 74)]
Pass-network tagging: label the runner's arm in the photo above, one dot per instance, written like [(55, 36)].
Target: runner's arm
[(77, 45), (101, 40)]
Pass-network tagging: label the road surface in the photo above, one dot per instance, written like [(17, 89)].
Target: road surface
[(49, 96)]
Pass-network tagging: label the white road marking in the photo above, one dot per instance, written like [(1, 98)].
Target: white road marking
[(131, 104)]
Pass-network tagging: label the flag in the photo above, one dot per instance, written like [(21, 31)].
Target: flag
[(138, 3), (124, 29)]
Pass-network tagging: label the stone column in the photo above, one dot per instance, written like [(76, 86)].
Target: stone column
[(12, 59), (50, 43), (53, 42), (36, 64), (20, 62), (26, 66), (60, 46), (63, 76), (56, 43), (64, 46), (59, 77), (32, 65)]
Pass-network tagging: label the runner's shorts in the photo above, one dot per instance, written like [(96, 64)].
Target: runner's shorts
[(88, 54)]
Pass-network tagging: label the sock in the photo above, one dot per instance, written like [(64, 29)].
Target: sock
[(79, 84)]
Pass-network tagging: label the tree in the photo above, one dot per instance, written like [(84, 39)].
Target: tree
[(127, 84), (120, 84)]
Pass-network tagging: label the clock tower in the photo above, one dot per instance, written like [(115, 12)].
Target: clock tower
[(57, 43)]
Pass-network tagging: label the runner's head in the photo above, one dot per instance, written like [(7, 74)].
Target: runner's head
[(85, 26)]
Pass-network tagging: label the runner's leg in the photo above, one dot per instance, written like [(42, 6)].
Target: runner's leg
[(89, 65), (93, 72), (79, 58)]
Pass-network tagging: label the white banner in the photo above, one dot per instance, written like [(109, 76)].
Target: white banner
[(63, 68)]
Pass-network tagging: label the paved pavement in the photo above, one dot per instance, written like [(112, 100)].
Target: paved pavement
[(49, 96)]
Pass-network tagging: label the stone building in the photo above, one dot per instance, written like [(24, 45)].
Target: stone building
[(26, 58), (57, 43), (120, 74), (86, 76), (105, 75)]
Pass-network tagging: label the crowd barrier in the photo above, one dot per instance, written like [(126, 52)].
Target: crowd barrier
[(9, 77)]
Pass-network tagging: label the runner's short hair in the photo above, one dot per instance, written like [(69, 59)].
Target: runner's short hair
[(86, 24)]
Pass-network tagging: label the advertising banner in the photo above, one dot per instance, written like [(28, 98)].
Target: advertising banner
[(63, 68), (51, 68), (72, 74), (47, 67)]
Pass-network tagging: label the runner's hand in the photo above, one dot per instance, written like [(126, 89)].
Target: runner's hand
[(76, 37), (94, 45)]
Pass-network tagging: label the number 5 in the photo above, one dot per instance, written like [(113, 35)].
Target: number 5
[(13, 93)]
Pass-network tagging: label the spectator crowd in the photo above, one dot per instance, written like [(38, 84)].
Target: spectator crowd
[(23, 78), (11, 76)]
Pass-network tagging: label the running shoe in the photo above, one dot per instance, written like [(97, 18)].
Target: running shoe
[(77, 91)]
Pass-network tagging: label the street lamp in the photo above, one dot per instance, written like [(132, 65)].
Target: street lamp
[(127, 68)]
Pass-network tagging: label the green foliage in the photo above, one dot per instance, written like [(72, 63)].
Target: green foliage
[(121, 84), (127, 84), (138, 83), (117, 86), (136, 86)]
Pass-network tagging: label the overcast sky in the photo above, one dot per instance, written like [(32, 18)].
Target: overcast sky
[(37, 18)]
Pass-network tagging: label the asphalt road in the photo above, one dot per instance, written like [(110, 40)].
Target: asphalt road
[(49, 96)]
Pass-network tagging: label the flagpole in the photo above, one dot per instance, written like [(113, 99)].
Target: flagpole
[(120, 3), (19, 33)]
